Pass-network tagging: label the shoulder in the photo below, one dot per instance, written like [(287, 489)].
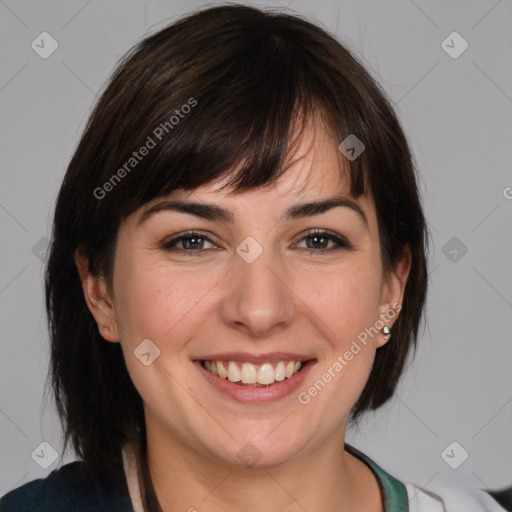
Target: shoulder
[(450, 499), (68, 489)]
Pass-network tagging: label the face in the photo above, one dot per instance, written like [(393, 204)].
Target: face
[(276, 285)]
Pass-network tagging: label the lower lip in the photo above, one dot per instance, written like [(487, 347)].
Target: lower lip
[(260, 395)]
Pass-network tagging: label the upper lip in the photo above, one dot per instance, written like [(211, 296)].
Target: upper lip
[(247, 357)]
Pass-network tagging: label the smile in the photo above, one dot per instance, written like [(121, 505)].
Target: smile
[(248, 374), (252, 378)]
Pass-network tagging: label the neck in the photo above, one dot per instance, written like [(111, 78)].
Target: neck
[(323, 478)]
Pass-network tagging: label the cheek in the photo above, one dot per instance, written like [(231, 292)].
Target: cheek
[(154, 301), (161, 304), (347, 301), (346, 307)]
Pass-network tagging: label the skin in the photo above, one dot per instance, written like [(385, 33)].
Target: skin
[(291, 298)]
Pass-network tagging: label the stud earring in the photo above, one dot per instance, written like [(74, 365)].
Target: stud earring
[(386, 330)]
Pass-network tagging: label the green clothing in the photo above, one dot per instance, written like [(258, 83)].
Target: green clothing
[(394, 491), (69, 489)]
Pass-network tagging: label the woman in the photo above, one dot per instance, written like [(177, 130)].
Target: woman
[(237, 271)]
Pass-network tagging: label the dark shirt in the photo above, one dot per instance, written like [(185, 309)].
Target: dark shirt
[(69, 489)]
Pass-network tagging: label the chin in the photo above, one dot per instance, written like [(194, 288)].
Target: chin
[(260, 449)]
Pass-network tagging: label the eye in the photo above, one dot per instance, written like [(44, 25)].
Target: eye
[(191, 243), (194, 243), (323, 241)]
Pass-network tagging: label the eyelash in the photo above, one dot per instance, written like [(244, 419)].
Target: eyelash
[(341, 243)]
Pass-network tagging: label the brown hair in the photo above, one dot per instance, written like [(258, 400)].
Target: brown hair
[(245, 74)]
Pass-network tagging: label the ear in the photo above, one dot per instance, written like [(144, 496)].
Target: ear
[(392, 292), (97, 298)]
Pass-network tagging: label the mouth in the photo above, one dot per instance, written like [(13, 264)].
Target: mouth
[(255, 379), (248, 374)]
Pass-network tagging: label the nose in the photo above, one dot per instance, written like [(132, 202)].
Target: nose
[(259, 299)]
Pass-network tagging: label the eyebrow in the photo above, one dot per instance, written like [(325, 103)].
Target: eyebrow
[(213, 212)]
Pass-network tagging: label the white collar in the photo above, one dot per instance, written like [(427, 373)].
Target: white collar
[(132, 479)]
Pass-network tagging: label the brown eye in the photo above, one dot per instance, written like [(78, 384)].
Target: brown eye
[(192, 242), (324, 241), (188, 243)]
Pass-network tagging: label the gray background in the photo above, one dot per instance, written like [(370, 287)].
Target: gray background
[(457, 114)]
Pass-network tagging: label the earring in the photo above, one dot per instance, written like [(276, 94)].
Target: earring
[(386, 330)]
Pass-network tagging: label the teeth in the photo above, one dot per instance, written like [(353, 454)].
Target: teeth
[(248, 375), (264, 374), (221, 371), (279, 373), (233, 372)]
